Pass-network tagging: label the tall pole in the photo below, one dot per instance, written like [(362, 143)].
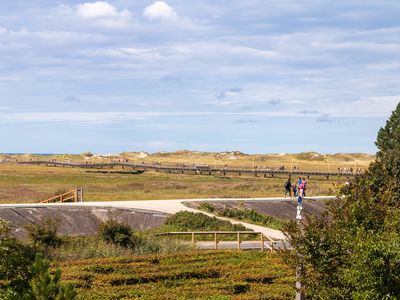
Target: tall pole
[(299, 268)]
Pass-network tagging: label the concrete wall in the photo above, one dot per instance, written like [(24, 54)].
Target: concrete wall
[(79, 220)]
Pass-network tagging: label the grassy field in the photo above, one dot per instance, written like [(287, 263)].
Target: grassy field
[(29, 184), (235, 159), (185, 275), (24, 184)]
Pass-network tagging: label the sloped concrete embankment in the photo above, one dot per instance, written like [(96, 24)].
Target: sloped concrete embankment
[(281, 209), (78, 220)]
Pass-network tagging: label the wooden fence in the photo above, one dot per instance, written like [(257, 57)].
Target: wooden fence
[(76, 195), (190, 168), (217, 234)]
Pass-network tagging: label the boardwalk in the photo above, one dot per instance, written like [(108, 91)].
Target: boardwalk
[(202, 170)]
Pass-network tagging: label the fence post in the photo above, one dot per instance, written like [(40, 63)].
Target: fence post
[(238, 240), (193, 240), (216, 241), (81, 194), (262, 242), (76, 195)]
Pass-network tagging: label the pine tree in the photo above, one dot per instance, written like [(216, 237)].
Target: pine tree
[(47, 287)]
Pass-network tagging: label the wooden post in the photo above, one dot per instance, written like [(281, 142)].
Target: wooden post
[(262, 242), (81, 194), (193, 240), (238, 240), (216, 241)]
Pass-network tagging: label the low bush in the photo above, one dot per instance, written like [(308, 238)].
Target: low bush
[(44, 234), (207, 207), (116, 233), (242, 214), (24, 277), (184, 275), (188, 221), (250, 215)]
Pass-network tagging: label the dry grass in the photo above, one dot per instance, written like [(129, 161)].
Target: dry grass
[(29, 183), (25, 184), (304, 161)]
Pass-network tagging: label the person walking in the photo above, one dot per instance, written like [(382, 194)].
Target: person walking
[(304, 182), (299, 181), (295, 190), (288, 187)]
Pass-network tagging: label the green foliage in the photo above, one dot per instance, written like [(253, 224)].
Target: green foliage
[(188, 221), (116, 233), (242, 214), (389, 136), (47, 287), (252, 216), (44, 234), (352, 251), (206, 207), (184, 275), (15, 262)]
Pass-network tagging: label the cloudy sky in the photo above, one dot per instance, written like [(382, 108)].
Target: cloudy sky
[(257, 76)]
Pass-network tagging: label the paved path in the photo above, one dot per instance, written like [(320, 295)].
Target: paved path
[(174, 206)]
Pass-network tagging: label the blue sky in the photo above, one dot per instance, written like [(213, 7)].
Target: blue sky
[(255, 76)]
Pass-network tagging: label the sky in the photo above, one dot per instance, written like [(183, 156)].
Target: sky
[(256, 76)]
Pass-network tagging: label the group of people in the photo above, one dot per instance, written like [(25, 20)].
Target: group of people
[(298, 188)]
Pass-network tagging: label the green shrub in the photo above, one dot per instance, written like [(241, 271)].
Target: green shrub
[(44, 234), (113, 232), (352, 251), (188, 221), (45, 286), (243, 214), (15, 264), (207, 207)]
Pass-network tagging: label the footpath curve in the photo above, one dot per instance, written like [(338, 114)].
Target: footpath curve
[(174, 206)]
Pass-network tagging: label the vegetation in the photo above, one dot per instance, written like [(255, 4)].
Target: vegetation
[(29, 183), (243, 214), (184, 275), (114, 232), (188, 221), (22, 277), (16, 260), (46, 286), (104, 266), (44, 234), (352, 251)]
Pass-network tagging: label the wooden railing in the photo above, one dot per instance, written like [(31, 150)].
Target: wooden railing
[(76, 195), (190, 168), (216, 234)]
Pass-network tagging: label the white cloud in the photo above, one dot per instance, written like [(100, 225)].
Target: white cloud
[(3, 30), (104, 14), (159, 10)]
